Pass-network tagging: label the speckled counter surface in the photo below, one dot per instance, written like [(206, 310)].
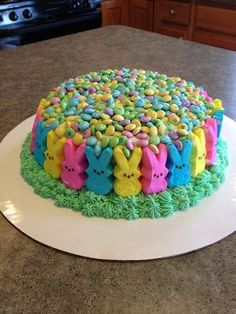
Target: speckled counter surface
[(38, 279)]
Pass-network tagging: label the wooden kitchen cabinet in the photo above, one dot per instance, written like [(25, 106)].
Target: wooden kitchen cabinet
[(206, 21), (115, 12), (215, 25), (173, 18), (142, 14), (135, 13)]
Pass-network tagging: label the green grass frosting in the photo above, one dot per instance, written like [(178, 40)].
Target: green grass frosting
[(116, 207)]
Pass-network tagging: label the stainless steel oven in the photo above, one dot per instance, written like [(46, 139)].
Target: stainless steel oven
[(23, 22)]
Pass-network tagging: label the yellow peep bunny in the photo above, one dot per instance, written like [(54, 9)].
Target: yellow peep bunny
[(127, 172), (54, 155), (198, 154)]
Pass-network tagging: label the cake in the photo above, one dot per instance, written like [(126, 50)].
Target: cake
[(126, 144)]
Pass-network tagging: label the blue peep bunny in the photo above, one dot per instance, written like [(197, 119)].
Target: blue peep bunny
[(178, 164), (100, 169), (41, 142)]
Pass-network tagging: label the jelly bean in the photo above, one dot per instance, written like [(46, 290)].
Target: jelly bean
[(99, 135), (126, 152), (101, 127), (161, 114), (173, 135), (55, 100), (77, 139), (130, 127), (91, 141), (122, 140), (83, 125), (153, 131), (178, 144), (105, 141), (136, 130), (114, 141), (124, 122), (98, 150), (162, 130), (87, 133), (109, 111), (110, 130), (142, 143), (165, 139), (86, 117), (142, 136), (130, 145), (127, 133), (166, 98), (118, 117), (107, 121), (154, 139), (182, 132), (145, 119), (139, 102), (154, 148)]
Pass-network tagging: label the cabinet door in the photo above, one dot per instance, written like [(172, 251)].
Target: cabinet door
[(172, 17), (115, 12), (215, 26), (142, 14)]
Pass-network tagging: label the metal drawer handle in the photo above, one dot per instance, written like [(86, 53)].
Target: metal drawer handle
[(172, 12)]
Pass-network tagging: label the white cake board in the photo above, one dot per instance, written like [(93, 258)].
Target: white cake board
[(69, 231)]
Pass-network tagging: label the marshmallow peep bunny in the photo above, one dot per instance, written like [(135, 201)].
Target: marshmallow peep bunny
[(74, 165), (210, 129), (198, 154), (178, 164), (99, 171), (127, 172), (33, 139), (54, 155), (154, 170), (40, 143)]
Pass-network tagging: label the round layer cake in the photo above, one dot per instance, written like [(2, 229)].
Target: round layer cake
[(125, 134)]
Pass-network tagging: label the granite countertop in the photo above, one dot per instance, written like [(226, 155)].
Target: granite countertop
[(35, 278)]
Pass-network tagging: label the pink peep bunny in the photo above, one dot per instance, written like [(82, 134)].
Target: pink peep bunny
[(37, 118), (154, 170), (210, 129), (74, 165)]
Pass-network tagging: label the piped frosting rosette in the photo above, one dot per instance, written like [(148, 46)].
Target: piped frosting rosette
[(126, 131)]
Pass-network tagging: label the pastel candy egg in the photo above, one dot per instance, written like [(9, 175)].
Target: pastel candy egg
[(110, 130), (182, 132), (173, 135), (139, 102), (142, 143), (161, 114), (122, 140), (77, 139), (118, 117), (126, 152), (149, 92), (166, 98), (107, 121), (154, 139), (142, 136), (124, 122), (130, 145), (119, 111), (69, 132), (105, 141), (136, 130), (114, 141), (154, 148), (101, 127), (178, 144), (83, 125), (130, 127), (145, 129), (86, 133), (174, 108), (91, 141), (55, 100), (136, 122), (165, 139), (162, 130), (98, 150), (119, 127), (127, 133), (153, 131), (145, 119), (99, 135)]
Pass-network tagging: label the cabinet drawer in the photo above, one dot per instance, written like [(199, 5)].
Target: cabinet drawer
[(221, 20), (174, 12)]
